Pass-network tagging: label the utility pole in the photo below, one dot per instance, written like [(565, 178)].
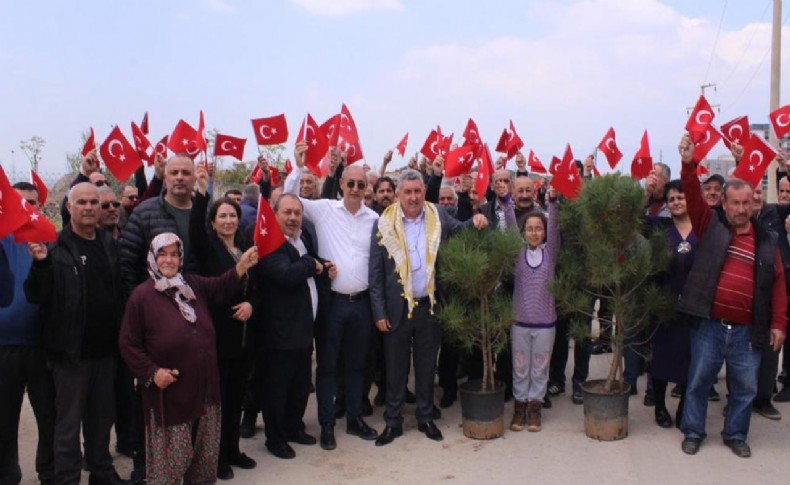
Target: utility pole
[(776, 64)]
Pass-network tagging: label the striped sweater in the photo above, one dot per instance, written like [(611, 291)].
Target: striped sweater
[(533, 303)]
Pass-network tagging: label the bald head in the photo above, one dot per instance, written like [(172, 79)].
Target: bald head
[(353, 183), (179, 180), (83, 205)]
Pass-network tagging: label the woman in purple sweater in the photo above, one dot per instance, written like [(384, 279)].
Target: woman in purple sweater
[(534, 316), (167, 339)]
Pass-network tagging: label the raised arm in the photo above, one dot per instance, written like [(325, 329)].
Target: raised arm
[(699, 211)]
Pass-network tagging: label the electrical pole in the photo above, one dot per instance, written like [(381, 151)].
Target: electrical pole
[(776, 64)]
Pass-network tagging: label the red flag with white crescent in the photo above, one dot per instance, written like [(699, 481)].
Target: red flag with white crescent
[(317, 144), (268, 235), (119, 155), (41, 187), (706, 144), (226, 145), (401, 148), (757, 155), (642, 163), (699, 119), (183, 140), (12, 215), (567, 180), (780, 120), (37, 228), (534, 163), (735, 131), (608, 147), (90, 144)]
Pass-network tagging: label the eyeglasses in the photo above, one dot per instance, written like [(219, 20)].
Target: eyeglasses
[(106, 205), (361, 184), (100, 183)]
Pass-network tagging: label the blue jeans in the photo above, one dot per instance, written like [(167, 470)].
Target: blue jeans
[(347, 330), (712, 344)]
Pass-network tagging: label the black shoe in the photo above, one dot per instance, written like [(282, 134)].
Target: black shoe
[(282, 450), (676, 391), (633, 390), (328, 438), (109, 479), (244, 462), (381, 397), (739, 447), (367, 408), (410, 397), (388, 435), (599, 349), (691, 446), (663, 418), (340, 409), (224, 471), (358, 427), (783, 395), (678, 418), (650, 398), (555, 390), (577, 397), (436, 413), (247, 428), (138, 468), (713, 396), (430, 430), (301, 438), (767, 410), (448, 398), (546, 402)]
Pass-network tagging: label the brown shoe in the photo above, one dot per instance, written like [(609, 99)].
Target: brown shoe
[(533, 415), (519, 416)]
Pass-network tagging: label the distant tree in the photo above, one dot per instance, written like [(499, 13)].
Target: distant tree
[(73, 159), (32, 149)]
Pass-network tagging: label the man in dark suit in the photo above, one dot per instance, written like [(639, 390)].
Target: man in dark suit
[(403, 251), (293, 286)]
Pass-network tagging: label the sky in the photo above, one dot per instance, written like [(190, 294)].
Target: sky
[(563, 71)]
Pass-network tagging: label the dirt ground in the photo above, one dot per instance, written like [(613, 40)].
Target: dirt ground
[(561, 453)]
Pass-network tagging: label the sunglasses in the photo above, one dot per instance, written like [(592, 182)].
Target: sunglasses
[(361, 184), (106, 205), (100, 183)]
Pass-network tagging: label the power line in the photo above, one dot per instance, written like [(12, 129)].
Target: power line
[(715, 41), (746, 49)]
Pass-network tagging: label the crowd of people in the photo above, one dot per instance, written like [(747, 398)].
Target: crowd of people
[(155, 299)]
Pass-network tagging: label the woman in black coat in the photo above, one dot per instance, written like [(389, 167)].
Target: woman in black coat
[(216, 244)]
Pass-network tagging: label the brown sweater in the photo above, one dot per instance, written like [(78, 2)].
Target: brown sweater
[(155, 335)]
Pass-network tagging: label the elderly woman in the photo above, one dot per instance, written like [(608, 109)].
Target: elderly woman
[(168, 341)]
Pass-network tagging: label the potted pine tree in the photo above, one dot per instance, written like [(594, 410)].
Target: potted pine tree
[(478, 312), (605, 255)]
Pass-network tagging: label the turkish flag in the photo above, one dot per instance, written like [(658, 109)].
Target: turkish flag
[(515, 144), (757, 155), (41, 187), (270, 131), (230, 146), (472, 134), (735, 131), (501, 145), (12, 213), (567, 180), (268, 235), (200, 139), (534, 163), (431, 146), (119, 155), (183, 140), (706, 144), (141, 143), (317, 145), (459, 161), (401, 148), (780, 119), (160, 148), (90, 144), (608, 147), (484, 170), (257, 174), (701, 170), (144, 124), (329, 127), (445, 144), (288, 166), (699, 119), (352, 150), (642, 163), (37, 228), (346, 129), (555, 163)]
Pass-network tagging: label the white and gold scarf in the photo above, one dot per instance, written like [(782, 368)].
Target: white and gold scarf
[(392, 235)]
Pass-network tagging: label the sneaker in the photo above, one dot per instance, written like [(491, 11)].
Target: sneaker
[(713, 395), (783, 395), (546, 402), (691, 446), (577, 397), (555, 390), (739, 447), (767, 410)]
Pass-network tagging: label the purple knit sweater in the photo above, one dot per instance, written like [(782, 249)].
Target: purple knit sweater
[(533, 303)]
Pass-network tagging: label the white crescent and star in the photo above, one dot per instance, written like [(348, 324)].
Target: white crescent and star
[(781, 123), (262, 131), (223, 147), (609, 143), (759, 156), (731, 133), (112, 144), (698, 117)]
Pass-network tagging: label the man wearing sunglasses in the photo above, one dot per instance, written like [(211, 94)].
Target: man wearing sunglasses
[(110, 211), (343, 228)]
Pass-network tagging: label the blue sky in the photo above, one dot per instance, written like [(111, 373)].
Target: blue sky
[(564, 71)]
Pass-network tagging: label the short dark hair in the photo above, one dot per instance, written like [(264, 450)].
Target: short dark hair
[(212, 212), (232, 191), (734, 184), (675, 185), (24, 186), (381, 180), (282, 196), (534, 213)]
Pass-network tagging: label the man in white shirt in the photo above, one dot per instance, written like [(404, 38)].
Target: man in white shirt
[(343, 229)]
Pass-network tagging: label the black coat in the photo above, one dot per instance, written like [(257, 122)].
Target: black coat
[(58, 284)]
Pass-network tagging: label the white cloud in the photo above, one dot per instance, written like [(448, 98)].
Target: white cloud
[(219, 6), (338, 8)]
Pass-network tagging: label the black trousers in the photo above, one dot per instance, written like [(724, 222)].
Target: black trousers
[(83, 390), (25, 367), (448, 366), (232, 379), (284, 389), (582, 350), (424, 333), (129, 431), (766, 376)]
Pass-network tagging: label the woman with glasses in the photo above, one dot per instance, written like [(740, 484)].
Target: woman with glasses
[(217, 245)]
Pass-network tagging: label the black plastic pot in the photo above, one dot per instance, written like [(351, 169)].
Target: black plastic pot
[(605, 413), (483, 413)]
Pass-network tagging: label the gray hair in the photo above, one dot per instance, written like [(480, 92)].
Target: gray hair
[(251, 193), (105, 189), (409, 174), (452, 190), (286, 195), (665, 168)]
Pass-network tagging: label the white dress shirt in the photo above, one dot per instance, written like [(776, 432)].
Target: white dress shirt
[(343, 237), (299, 245)]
